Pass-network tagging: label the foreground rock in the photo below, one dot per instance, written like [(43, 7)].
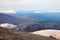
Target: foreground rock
[(6, 34)]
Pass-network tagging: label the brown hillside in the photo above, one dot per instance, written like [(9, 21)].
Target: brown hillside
[(6, 34)]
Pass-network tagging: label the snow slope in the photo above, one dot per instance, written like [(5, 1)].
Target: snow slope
[(48, 32)]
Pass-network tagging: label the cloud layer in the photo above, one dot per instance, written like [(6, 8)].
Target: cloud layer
[(8, 11), (43, 5), (7, 25)]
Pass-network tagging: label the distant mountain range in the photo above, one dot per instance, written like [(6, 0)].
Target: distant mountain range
[(30, 21), (21, 22), (50, 20)]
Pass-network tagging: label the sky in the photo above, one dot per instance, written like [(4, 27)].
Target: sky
[(34, 5)]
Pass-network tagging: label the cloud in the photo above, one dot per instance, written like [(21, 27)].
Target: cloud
[(7, 11), (0, 0), (30, 4), (54, 11), (7, 25)]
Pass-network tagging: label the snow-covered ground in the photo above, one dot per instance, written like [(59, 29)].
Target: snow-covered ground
[(48, 32)]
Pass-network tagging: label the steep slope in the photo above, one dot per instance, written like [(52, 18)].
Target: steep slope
[(6, 34)]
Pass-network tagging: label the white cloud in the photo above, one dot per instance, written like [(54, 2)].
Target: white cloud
[(7, 25), (54, 11), (7, 11), (30, 4)]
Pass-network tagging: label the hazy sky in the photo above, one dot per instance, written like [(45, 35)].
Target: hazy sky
[(37, 5)]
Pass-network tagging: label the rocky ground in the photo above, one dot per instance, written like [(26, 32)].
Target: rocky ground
[(6, 34)]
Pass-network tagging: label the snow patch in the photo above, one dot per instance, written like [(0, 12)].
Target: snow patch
[(48, 33)]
